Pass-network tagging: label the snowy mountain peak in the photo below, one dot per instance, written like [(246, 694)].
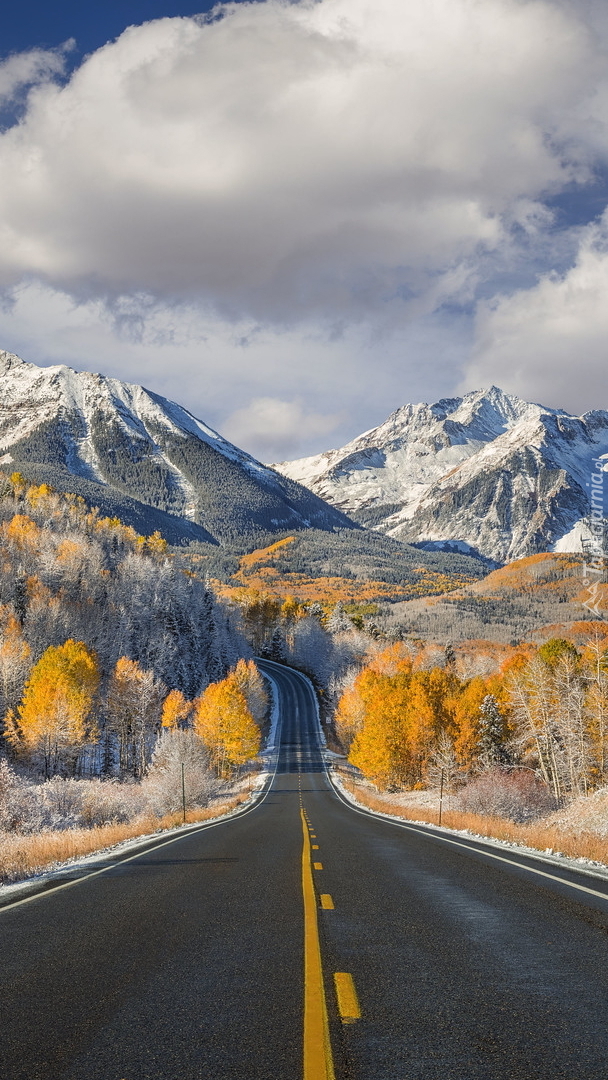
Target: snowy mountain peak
[(116, 442), (487, 472)]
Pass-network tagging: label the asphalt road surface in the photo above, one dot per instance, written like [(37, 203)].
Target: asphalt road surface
[(214, 956)]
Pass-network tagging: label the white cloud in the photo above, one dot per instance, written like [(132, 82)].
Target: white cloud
[(277, 428), (273, 216), (216, 368), (27, 68), (550, 342), (293, 160)]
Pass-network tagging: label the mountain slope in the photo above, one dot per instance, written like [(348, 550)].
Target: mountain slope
[(144, 458), (487, 473)]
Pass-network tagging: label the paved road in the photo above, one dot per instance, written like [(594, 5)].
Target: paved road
[(187, 962)]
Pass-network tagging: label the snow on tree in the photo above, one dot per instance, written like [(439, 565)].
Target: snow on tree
[(15, 662), (252, 686), (338, 621), (134, 709), (491, 740), (163, 784)]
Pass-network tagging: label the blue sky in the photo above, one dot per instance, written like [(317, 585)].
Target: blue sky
[(300, 216), (27, 24)]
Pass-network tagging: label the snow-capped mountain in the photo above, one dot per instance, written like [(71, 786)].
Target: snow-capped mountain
[(133, 453), (486, 473)]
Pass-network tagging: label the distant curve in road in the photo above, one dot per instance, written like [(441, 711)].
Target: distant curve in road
[(187, 961)]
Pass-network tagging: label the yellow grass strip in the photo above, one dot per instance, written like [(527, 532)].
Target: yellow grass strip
[(575, 845), (21, 856)]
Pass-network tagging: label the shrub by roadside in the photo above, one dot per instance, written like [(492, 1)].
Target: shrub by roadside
[(516, 794)]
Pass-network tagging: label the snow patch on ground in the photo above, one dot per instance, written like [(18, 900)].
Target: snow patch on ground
[(572, 540)]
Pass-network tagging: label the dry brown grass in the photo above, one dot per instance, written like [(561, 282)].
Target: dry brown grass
[(21, 856), (586, 845)]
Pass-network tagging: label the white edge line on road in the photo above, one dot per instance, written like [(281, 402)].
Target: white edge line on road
[(421, 831), (224, 820), (436, 835)]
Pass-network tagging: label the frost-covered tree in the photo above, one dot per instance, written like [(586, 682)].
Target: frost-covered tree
[(491, 734), (252, 686), (338, 621), (163, 784), (134, 709)]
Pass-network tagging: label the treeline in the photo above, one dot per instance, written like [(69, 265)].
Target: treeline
[(545, 711), (97, 626)]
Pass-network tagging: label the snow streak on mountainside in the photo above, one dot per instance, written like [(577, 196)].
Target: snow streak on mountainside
[(486, 473), (133, 453)]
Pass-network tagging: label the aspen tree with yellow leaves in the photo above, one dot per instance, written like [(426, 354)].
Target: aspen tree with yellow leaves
[(380, 747), (53, 722), (176, 711), (226, 725)]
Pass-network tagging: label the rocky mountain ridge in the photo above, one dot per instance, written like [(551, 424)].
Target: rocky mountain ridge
[(487, 473)]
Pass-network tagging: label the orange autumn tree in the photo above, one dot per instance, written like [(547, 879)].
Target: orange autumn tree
[(394, 718), (52, 724), (467, 718), (380, 748), (351, 711), (358, 702), (176, 710), (226, 725)]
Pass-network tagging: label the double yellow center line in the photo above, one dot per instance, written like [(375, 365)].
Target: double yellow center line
[(318, 1058)]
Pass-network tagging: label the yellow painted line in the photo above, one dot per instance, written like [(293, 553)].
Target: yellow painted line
[(317, 865), (348, 1002), (326, 901), (315, 847), (318, 1059)]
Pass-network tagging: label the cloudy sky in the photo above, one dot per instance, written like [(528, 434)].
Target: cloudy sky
[(293, 216)]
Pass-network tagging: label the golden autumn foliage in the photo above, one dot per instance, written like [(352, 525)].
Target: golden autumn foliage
[(53, 720), (466, 703), (22, 532), (176, 710), (154, 544), (387, 746), (546, 710), (226, 725), (393, 716), (37, 493), (263, 573)]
